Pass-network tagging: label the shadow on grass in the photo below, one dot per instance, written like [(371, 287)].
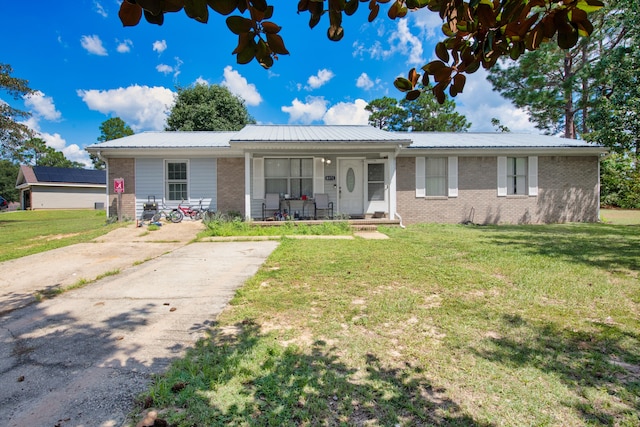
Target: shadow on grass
[(602, 367), (609, 247), (240, 376)]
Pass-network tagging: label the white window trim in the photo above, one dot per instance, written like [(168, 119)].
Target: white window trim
[(258, 178), (532, 176), (166, 177), (452, 177)]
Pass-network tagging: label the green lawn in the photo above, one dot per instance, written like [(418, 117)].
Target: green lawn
[(29, 232), (438, 325)]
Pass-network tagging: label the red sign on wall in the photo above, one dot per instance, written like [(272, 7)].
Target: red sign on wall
[(118, 185)]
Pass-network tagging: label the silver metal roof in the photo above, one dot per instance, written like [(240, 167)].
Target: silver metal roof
[(169, 140), (316, 133), (490, 140)]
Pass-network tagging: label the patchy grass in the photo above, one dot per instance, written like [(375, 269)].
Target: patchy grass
[(438, 325), (620, 216), (29, 232), (224, 228)]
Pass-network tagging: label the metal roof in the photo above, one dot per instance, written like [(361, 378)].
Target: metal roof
[(168, 140), (316, 133), (491, 140)]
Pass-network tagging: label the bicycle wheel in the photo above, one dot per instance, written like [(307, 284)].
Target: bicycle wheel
[(175, 216), (156, 217)]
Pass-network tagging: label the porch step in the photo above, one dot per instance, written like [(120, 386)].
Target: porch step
[(364, 227)]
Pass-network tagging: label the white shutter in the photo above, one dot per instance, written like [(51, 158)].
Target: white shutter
[(420, 177), (452, 171), (258, 178), (502, 176), (533, 175), (318, 175)]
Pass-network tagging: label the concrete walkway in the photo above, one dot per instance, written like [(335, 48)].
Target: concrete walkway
[(80, 358)]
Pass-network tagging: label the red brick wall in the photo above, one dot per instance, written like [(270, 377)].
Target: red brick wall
[(122, 168), (230, 193), (567, 192)]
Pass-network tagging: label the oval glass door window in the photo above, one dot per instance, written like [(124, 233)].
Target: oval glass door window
[(351, 180)]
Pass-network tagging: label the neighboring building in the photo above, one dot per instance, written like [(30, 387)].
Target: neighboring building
[(44, 187), (418, 177)]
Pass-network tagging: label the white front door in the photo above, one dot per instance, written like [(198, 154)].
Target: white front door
[(351, 187)]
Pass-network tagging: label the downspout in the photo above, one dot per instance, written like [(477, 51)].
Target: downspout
[(395, 173)]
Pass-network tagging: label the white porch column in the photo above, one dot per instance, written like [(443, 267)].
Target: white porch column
[(247, 186), (392, 185)]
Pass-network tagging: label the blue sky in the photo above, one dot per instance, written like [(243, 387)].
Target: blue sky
[(88, 68)]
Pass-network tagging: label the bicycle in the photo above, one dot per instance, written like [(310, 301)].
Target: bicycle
[(170, 214), (190, 212)]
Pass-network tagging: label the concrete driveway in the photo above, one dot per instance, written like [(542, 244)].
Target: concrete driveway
[(80, 358)]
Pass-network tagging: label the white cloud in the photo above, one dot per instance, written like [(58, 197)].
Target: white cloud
[(42, 106), (141, 107), (160, 46), (344, 113), (202, 81), (239, 86), (479, 103), (93, 45), (306, 112), (364, 82), (100, 9), (164, 69), (429, 23), (403, 41), (320, 79), (124, 46), (72, 152)]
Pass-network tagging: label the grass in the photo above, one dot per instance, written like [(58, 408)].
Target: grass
[(29, 232), (438, 325), (620, 216), (225, 228)]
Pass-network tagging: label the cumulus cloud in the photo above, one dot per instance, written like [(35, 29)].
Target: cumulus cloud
[(124, 46), (142, 107), (306, 112), (345, 113), (320, 79), (364, 82), (401, 41), (93, 45), (54, 140), (42, 106), (169, 69), (239, 86), (404, 42), (427, 22), (160, 46), (492, 104)]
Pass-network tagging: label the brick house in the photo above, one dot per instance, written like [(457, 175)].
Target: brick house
[(413, 177)]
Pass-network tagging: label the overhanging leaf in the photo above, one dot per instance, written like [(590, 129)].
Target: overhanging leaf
[(270, 27), (238, 24), (402, 84), (129, 14), (441, 52), (223, 7), (197, 9), (276, 44)]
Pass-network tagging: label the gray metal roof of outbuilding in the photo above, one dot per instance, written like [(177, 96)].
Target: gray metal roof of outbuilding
[(316, 133), (169, 139), (491, 140)]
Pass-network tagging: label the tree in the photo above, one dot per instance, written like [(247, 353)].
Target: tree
[(477, 32), (12, 133), (8, 176), (425, 114), (495, 122), (386, 114), (36, 152), (207, 108), (110, 129)]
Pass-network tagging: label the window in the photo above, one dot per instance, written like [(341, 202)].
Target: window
[(289, 176), (437, 176), (176, 180), (516, 175), (375, 182)]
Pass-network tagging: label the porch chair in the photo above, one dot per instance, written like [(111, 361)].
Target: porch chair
[(271, 203), (322, 203)]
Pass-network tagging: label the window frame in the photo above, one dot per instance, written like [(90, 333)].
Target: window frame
[(514, 176), (173, 181), (291, 176)]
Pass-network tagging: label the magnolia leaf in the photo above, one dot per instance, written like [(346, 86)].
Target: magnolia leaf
[(276, 44), (585, 28), (425, 79), (268, 14), (238, 24), (515, 51), (433, 66), (472, 67), (129, 14), (313, 21), (262, 51), (267, 62), (260, 5), (374, 12), (413, 76), (589, 5), (577, 15), (154, 19), (223, 7), (270, 27), (243, 40), (459, 80), (446, 30), (567, 40), (438, 92), (413, 95), (152, 6), (441, 52), (351, 7), (172, 5), (442, 74), (197, 9), (303, 5), (247, 54), (402, 84)]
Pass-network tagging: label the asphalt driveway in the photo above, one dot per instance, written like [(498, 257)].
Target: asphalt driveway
[(80, 358)]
